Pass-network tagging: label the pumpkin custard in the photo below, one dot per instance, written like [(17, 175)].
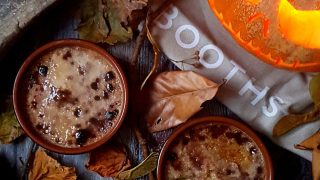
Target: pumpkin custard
[(213, 151), (73, 96)]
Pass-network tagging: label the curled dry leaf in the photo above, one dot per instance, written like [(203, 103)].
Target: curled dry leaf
[(175, 96), (109, 160), (46, 168), (106, 21), (10, 128), (291, 121), (313, 143)]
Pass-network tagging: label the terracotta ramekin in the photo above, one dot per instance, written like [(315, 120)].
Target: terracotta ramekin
[(18, 96), (220, 120)]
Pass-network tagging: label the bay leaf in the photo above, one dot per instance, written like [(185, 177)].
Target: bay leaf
[(174, 96), (10, 128), (314, 88), (144, 168), (46, 168), (109, 160), (291, 121), (106, 21)]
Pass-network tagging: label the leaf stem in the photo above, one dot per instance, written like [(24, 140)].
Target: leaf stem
[(156, 51), (192, 61), (154, 66)]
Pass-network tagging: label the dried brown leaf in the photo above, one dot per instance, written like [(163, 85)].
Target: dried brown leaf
[(175, 96), (109, 160), (316, 164), (46, 168), (291, 121), (313, 143), (310, 143)]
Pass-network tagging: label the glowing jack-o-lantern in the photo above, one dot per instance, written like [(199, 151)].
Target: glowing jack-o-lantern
[(283, 33)]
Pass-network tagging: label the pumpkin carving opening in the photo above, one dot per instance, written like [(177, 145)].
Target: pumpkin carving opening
[(282, 33)]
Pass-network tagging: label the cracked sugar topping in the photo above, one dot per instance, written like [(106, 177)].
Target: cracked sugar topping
[(214, 151), (73, 96)]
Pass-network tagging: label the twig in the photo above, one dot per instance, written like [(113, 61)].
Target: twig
[(192, 61), (135, 121), (143, 32), (134, 88), (154, 66), (156, 51), (133, 80)]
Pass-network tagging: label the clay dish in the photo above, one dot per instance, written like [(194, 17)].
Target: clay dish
[(214, 148), (70, 96)]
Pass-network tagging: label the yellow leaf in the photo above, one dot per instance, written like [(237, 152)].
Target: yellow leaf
[(10, 128), (314, 88)]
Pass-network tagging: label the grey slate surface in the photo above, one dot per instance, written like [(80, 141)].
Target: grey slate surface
[(15, 15)]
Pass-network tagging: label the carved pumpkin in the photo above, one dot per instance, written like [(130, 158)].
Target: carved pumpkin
[(283, 33)]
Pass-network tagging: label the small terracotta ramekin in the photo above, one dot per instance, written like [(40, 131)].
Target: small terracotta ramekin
[(19, 104), (223, 121)]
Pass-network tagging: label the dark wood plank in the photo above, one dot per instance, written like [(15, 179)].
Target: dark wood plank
[(60, 23)]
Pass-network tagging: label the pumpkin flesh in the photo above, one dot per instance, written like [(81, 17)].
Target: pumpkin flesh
[(308, 33)]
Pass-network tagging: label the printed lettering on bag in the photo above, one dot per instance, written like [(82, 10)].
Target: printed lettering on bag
[(191, 41), (169, 17)]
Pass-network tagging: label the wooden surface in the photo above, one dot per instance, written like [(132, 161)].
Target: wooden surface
[(59, 23)]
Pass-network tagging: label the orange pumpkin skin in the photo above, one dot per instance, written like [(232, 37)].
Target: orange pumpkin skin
[(262, 28)]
